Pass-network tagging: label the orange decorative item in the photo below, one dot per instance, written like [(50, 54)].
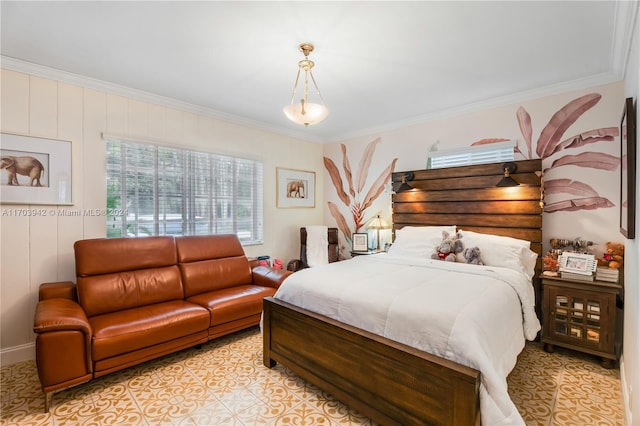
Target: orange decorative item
[(550, 262)]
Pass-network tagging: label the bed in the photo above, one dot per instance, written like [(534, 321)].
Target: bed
[(389, 369)]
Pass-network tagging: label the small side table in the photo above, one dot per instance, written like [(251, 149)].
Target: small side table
[(582, 316)]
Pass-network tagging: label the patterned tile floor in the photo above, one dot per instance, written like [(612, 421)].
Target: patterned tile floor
[(225, 383)]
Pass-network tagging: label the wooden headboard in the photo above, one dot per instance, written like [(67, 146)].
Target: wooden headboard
[(468, 197)]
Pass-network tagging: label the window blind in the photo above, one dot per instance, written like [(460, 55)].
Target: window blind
[(497, 152), (158, 190)]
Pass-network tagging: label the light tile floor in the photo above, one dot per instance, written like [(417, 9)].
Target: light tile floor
[(225, 383)]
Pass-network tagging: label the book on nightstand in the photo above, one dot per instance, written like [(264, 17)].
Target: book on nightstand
[(578, 277), (607, 274)]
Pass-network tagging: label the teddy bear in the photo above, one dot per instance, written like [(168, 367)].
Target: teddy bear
[(472, 256), (449, 247), (613, 256)]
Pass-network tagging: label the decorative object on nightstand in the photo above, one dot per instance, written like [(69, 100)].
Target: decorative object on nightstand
[(559, 246), (582, 316), (613, 256), (577, 266), (359, 242)]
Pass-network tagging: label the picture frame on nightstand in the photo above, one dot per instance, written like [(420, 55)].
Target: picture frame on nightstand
[(360, 242), (577, 263)]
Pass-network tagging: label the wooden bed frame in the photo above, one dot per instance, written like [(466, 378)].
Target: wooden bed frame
[(391, 383)]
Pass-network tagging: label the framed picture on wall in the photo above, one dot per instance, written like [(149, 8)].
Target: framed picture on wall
[(34, 170), (295, 188), (628, 170)]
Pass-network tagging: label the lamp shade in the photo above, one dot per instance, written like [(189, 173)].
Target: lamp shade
[(507, 180), (306, 113), (378, 223)]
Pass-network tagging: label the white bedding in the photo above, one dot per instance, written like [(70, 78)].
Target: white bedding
[(478, 316)]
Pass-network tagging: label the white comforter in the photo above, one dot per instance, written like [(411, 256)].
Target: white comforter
[(478, 316)]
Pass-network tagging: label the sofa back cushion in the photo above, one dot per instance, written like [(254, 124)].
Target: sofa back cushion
[(212, 262), (121, 273)]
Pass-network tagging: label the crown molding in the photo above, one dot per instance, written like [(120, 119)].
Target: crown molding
[(524, 96), (31, 68), (624, 24)]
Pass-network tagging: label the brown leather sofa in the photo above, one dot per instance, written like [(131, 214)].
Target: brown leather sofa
[(137, 299)]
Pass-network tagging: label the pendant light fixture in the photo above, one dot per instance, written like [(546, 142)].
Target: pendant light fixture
[(305, 112)]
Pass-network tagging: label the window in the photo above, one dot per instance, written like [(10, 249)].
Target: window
[(157, 190), (498, 152)]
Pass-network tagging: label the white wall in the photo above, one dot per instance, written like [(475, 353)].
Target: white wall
[(630, 364), (40, 249)]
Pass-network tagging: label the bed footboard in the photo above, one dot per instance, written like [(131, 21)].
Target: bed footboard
[(391, 383)]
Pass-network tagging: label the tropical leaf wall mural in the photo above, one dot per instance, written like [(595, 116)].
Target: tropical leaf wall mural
[(552, 142), (351, 189)]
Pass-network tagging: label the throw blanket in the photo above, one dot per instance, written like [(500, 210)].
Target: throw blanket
[(478, 316), (317, 245)]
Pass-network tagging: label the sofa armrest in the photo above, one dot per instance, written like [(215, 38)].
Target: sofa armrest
[(62, 290), (60, 314), (63, 345), (269, 277)]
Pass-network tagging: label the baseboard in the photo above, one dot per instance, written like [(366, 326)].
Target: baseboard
[(625, 394), (16, 354)]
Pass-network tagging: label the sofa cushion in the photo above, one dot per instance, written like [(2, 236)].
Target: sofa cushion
[(193, 248), (123, 273), (233, 303), (212, 262), (133, 329), (107, 255), (102, 294)]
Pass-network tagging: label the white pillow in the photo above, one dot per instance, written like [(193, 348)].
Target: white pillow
[(498, 239), (505, 252), (418, 241)]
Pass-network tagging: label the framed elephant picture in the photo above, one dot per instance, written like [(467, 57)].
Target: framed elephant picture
[(295, 188), (34, 170)]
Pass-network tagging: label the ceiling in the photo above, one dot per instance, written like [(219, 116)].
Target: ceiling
[(379, 65)]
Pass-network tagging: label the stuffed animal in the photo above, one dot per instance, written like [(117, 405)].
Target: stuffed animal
[(472, 256), (449, 247), (613, 256)]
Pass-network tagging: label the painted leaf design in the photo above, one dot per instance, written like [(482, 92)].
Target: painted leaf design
[(595, 160), (561, 121), (568, 186), (590, 203), (605, 134), (347, 169), (378, 186), (337, 180), (340, 220), (524, 121), (365, 163), (488, 140), (358, 214)]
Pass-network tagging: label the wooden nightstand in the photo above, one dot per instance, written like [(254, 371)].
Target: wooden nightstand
[(364, 253), (583, 316)]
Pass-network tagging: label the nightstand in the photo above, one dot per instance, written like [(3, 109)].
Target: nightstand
[(583, 316), (364, 253)]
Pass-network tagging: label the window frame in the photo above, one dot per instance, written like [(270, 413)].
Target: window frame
[(217, 193)]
